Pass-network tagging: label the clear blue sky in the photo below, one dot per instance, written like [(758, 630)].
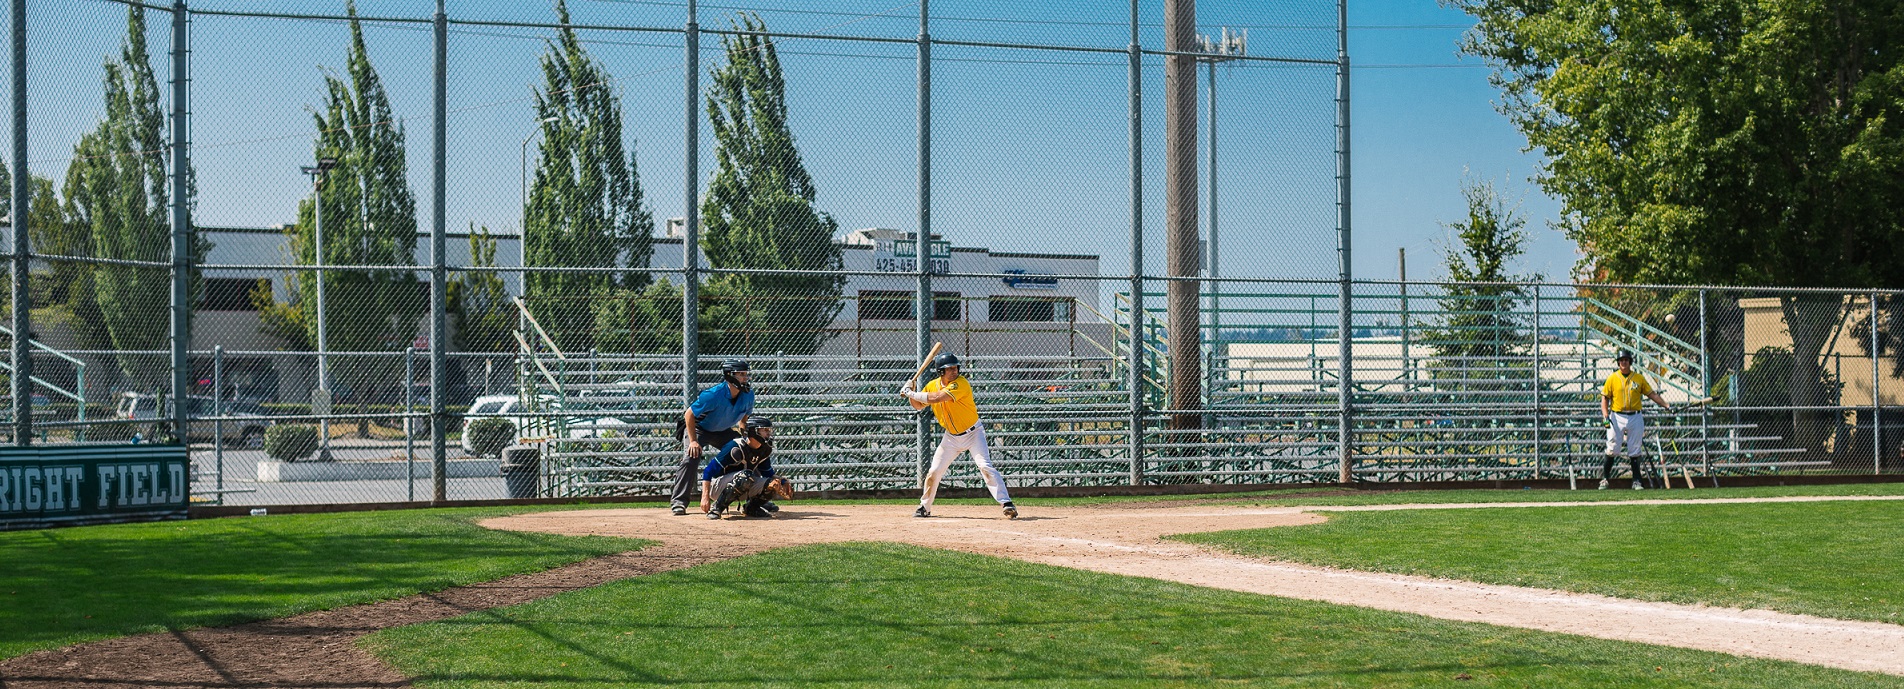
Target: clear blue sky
[(1029, 147)]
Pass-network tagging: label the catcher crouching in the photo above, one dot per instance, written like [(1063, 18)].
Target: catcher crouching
[(743, 472)]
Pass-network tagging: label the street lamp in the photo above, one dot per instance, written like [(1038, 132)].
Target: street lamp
[(317, 172), (522, 232), (1227, 46)]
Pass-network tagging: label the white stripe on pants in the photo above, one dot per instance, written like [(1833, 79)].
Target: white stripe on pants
[(949, 448), (1625, 430)]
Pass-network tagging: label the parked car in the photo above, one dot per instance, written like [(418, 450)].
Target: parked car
[(245, 422), (509, 407)]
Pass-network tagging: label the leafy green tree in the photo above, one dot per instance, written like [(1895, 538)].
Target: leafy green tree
[(118, 189), (759, 211), (480, 302), (369, 219), (1726, 141), (585, 206), (1481, 329)]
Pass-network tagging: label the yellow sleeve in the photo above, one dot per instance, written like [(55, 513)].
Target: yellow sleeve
[(961, 393), (1645, 387), (1609, 390)]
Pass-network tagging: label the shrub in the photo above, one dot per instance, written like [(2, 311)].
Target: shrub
[(488, 437), (290, 442)]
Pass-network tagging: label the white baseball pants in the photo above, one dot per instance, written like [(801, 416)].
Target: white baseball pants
[(949, 448), (1624, 433)]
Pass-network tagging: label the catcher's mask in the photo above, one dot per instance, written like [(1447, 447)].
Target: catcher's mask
[(760, 428), (731, 366)]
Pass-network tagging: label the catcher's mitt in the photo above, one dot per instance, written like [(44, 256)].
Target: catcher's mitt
[(780, 488)]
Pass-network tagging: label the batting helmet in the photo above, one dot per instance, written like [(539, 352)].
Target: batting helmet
[(1624, 356), (944, 361), (729, 367)]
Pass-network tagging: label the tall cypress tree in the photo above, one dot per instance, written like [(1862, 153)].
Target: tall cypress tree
[(585, 208), (118, 188), (759, 211), (369, 219)]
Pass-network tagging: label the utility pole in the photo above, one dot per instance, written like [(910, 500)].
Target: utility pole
[(321, 401), (1228, 47), (1180, 213)]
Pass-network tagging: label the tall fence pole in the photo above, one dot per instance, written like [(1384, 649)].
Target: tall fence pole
[(409, 423), (181, 234), (1877, 399), (439, 274), (1705, 388), (1136, 334), (691, 212), (218, 427), (1345, 361), (922, 253), (1538, 387), (21, 380)]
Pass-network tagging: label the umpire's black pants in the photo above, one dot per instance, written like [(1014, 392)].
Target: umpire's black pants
[(690, 473)]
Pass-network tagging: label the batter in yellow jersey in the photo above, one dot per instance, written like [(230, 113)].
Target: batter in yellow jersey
[(950, 397)]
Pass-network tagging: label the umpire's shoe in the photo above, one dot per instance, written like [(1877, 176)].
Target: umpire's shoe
[(678, 509), (922, 512), (713, 514), (1011, 511)]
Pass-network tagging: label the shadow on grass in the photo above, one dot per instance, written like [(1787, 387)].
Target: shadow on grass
[(69, 585)]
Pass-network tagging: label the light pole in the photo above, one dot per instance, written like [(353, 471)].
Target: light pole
[(316, 172), (1228, 46), (522, 225)]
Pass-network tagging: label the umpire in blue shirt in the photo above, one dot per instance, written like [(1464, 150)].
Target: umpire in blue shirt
[(711, 422)]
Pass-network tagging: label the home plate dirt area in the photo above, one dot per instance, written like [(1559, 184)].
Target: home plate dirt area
[(319, 648)]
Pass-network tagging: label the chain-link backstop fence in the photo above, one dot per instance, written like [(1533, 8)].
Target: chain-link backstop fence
[(374, 309)]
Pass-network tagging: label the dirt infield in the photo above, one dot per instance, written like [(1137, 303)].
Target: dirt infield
[(1128, 541), (319, 650)]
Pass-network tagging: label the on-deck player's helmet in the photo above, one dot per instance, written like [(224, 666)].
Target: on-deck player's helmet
[(1624, 356), (729, 366), (944, 361)]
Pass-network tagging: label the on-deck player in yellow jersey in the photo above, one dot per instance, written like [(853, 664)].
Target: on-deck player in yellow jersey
[(1620, 400), (950, 397)]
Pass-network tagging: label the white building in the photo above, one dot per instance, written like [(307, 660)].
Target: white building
[(1026, 313)]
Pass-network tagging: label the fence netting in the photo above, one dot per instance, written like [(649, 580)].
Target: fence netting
[(610, 236)]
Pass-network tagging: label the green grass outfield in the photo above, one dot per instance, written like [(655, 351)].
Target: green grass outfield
[(1835, 559), (65, 586), (887, 615)]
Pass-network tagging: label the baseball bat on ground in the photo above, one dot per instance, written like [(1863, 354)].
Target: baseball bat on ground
[(914, 380)]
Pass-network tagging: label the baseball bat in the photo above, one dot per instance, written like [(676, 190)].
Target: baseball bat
[(914, 380)]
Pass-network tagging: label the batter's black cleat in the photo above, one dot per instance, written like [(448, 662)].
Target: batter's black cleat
[(770, 507), (922, 512), (756, 512), (679, 510), (1011, 511)]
